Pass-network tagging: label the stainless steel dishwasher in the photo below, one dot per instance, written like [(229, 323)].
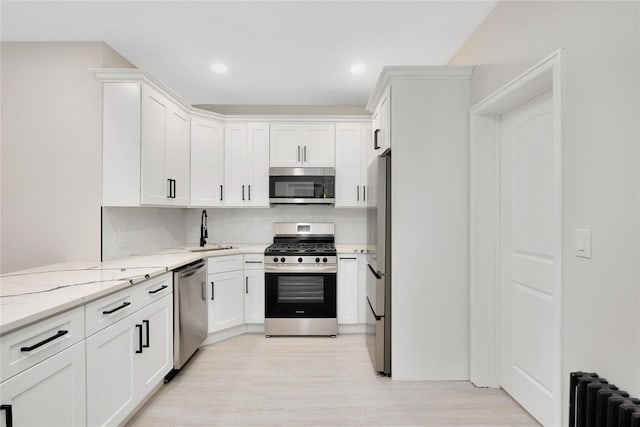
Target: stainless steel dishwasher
[(190, 313)]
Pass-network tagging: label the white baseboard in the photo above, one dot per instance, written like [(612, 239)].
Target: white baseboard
[(225, 334), (351, 329)]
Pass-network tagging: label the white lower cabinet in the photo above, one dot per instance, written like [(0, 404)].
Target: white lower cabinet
[(347, 284), (254, 289), (126, 360), (51, 393), (226, 300)]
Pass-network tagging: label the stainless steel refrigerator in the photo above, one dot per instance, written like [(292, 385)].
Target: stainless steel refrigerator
[(379, 263)]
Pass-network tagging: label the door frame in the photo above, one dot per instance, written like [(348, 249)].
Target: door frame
[(485, 221)]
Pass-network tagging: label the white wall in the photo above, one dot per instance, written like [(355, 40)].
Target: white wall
[(601, 329), (256, 225), (51, 152), (430, 233)]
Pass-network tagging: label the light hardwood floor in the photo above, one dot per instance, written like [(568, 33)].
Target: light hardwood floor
[(251, 380)]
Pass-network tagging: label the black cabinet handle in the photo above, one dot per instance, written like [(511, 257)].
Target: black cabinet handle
[(146, 324), (159, 289), (169, 188), (357, 193), (364, 193), (174, 188), (348, 257), (8, 415), (45, 341), (298, 153), (375, 139), (246, 285), (220, 192), (253, 262), (305, 153), (139, 328), (249, 191), (113, 310), (243, 192), (213, 291)]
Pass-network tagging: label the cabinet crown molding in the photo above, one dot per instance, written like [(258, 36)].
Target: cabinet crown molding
[(416, 72), (106, 75)]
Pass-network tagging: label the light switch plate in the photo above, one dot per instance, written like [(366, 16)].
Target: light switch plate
[(583, 243)]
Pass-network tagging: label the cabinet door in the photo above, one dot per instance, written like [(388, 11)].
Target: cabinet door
[(258, 144), (367, 154), (226, 300), (111, 357), (51, 393), (285, 145), (121, 144), (254, 296), (177, 155), (156, 359), (207, 162), (349, 188), (235, 171), (154, 186), (319, 143), (347, 284), (382, 121)]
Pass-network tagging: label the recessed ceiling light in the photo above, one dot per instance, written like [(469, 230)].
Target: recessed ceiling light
[(358, 68), (219, 68)]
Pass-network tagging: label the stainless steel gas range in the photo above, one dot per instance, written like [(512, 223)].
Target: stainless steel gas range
[(300, 280)]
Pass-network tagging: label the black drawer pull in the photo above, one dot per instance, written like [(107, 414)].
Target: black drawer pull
[(113, 310), (159, 289), (146, 323), (139, 328), (348, 257), (8, 415), (45, 341), (253, 262), (213, 291)]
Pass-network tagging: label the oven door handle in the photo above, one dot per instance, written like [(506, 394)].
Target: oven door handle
[(301, 269)]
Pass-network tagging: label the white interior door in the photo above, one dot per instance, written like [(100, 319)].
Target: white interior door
[(530, 230)]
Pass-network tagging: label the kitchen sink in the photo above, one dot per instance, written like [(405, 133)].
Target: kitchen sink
[(214, 247)]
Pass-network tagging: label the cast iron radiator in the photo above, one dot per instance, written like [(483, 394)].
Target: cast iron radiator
[(593, 402)]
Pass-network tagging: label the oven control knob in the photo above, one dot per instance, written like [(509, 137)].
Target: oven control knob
[(317, 259), (299, 259), (275, 259), (324, 260), (282, 259)]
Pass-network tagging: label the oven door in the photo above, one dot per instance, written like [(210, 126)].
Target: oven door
[(300, 295)]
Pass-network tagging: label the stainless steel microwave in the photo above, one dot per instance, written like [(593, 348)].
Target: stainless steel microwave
[(302, 185)]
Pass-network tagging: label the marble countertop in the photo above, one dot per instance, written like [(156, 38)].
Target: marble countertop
[(30, 295)]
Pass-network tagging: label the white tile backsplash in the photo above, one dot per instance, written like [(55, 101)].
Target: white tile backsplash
[(128, 231), (255, 225)]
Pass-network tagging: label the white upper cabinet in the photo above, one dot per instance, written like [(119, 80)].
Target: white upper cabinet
[(258, 143), (319, 145), (354, 150), (165, 151), (145, 146), (286, 145), (302, 145), (246, 164), (207, 162), (382, 122)]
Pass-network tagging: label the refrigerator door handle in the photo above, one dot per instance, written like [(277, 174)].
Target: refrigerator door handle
[(372, 311), (375, 273)]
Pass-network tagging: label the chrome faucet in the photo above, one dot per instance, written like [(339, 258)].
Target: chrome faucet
[(204, 233)]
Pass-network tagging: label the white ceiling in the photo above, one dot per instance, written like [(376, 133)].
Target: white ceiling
[(278, 53)]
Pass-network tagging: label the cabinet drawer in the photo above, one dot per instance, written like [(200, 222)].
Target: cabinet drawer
[(221, 264), (254, 261), (32, 344), (108, 310), (154, 289)]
